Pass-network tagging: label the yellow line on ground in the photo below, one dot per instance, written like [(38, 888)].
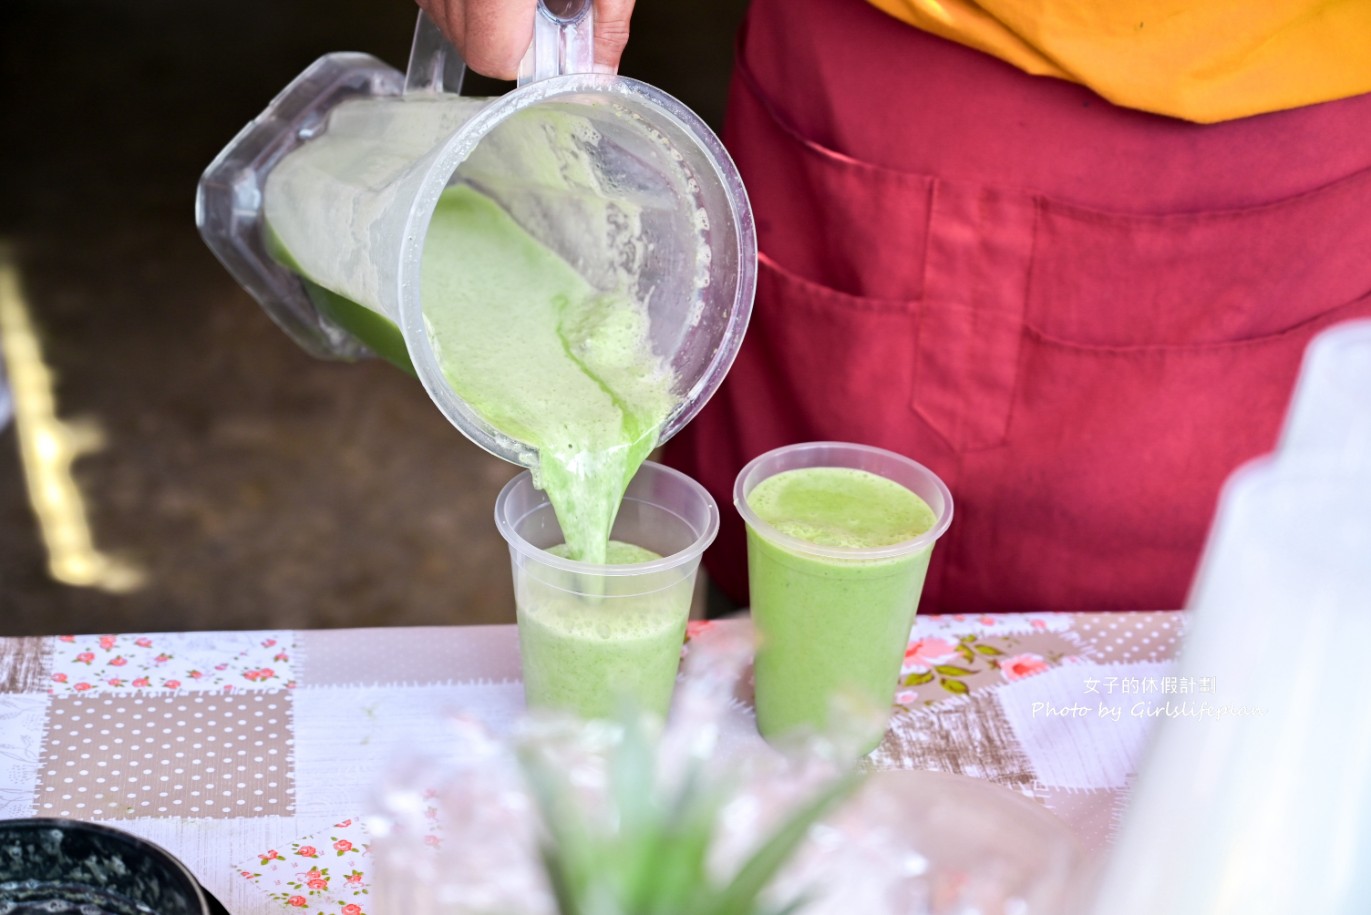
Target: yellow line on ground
[(47, 448)]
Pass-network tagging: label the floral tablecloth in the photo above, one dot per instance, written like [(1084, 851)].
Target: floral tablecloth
[(253, 756)]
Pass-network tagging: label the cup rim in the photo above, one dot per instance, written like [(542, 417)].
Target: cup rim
[(798, 545), (509, 530)]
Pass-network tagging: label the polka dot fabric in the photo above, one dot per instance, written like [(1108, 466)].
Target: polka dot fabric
[(167, 755), (1128, 637)]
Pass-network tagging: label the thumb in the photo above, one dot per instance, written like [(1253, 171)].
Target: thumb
[(611, 32)]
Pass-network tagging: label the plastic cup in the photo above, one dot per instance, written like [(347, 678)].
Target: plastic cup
[(593, 636), (1329, 420), (833, 622), (1252, 796)]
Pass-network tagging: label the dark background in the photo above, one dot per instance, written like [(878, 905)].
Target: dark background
[(226, 479)]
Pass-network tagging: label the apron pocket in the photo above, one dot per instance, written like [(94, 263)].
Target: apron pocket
[(841, 362), (1199, 279)]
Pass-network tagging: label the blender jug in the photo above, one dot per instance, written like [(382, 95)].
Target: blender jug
[(321, 206)]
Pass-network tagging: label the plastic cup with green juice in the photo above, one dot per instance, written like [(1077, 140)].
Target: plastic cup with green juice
[(839, 538), (595, 635)]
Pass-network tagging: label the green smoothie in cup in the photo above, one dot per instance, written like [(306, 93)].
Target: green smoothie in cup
[(593, 635), (836, 563), (587, 653)]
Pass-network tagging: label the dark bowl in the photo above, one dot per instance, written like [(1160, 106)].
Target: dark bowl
[(66, 867)]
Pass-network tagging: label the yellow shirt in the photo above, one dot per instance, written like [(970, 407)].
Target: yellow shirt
[(1201, 60)]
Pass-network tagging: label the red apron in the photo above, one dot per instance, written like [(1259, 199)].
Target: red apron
[(1081, 317)]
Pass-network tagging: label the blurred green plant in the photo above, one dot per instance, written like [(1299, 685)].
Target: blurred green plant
[(649, 853)]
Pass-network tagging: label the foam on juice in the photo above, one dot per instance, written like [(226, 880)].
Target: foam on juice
[(840, 506)]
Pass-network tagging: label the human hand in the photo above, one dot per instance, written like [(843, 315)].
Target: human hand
[(492, 35)]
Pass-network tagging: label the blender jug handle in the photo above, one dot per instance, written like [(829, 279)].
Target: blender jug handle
[(563, 40), (434, 64)]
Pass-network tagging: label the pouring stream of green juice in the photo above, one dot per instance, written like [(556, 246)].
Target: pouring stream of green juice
[(539, 353)]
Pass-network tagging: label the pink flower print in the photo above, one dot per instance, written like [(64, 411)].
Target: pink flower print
[(162, 658), (172, 684), (81, 687), (342, 845), (118, 661), (432, 841), (271, 855), (268, 643), (928, 651), (221, 667), (317, 883), (85, 657), (297, 901), (107, 642), (115, 681), (307, 851), (144, 642), (247, 874), (195, 675), (281, 656), (1022, 665), (343, 825), (66, 638), (1038, 624), (987, 621), (142, 681), (352, 908), (695, 627), (906, 697), (354, 878), (59, 678)]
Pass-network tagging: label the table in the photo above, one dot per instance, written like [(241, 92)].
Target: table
[(253, 756)]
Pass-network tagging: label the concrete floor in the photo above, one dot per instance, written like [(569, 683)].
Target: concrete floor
[(220, 477)]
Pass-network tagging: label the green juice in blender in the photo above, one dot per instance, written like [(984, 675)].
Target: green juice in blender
[(546, 359), (536, 352)]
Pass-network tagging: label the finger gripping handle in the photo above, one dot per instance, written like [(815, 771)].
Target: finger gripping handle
[(563, 40)]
